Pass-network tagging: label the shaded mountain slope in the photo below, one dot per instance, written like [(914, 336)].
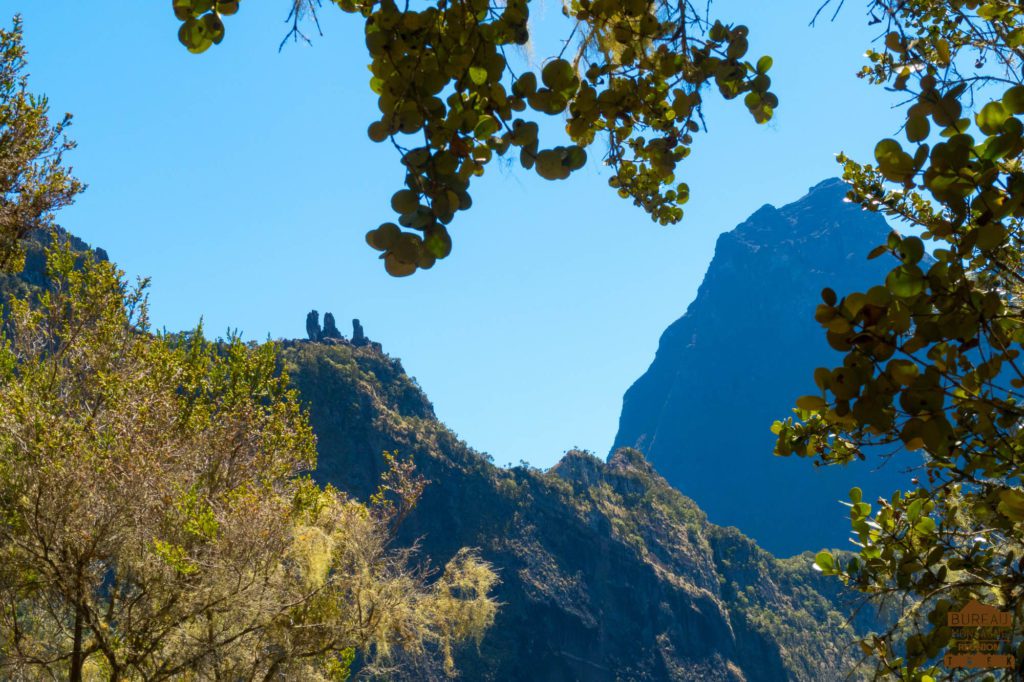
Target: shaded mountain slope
[(737, 360), (608, 572)]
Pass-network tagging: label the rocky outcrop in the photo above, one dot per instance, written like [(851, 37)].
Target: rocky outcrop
[(313, 330), (330, 328), (608, 573), (737, 360), (358, 337), (331, 335)]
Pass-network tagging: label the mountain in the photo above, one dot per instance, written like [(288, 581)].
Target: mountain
[(608, 573), (738, 359)]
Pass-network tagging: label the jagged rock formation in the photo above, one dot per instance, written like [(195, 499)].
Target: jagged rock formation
[(736, 361), (330, 333), (608, 572), (313, 330), (358, 337), (330, 329)]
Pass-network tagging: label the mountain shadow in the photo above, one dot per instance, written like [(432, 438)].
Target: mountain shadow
[(738, 359)]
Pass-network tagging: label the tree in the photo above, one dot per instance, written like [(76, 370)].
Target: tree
[(154, 522), (33, 179), (450, 100), (932, 354)]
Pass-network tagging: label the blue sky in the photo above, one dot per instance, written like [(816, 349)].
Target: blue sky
[(242, 182)]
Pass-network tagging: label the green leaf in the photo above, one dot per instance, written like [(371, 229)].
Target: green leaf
[(903, 371), (438, 242), (486, 126), (906, 281), (914, 510), (925, 526), (991, 117), (912, 249), (811, 402), (478, 75), (917, 128), (183, 9), (1011, 505), (396, 267), (1013, 99), (550, 167), (405, 201), (990, 236), (558, 74), (525, 85)]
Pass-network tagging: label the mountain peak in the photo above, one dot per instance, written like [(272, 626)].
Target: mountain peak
[(735, 362), (829, 185)]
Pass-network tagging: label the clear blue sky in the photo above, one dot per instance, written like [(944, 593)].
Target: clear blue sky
[(242, 182)]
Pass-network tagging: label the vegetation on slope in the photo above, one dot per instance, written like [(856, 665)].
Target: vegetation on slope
[(607, 571), (155, 523)]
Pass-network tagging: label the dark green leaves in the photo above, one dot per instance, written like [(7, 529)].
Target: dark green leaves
[(201, 23), (931, 360), (449, 101), (906, 281), (894, 163), (991, 117), (825, 562)]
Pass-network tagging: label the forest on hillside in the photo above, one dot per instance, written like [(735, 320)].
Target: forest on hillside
[(181, 506)]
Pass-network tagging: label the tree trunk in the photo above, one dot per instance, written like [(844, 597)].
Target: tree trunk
[(77, 660)]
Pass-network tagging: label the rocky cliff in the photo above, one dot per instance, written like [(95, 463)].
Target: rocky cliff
[(737, 360), (608, 573)]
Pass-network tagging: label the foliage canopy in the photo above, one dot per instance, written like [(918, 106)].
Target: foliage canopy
[(33, 180), (932, 354), (154, 523), (451, 101)]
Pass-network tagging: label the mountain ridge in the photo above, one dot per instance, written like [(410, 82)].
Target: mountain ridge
[(608, 573), (738, 358)]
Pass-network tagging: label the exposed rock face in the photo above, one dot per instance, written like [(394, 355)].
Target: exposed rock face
[(737, 360), (313, 330), (330, 328), (607, 572), (358, 337)]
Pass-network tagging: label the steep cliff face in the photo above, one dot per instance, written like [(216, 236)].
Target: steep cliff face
[(736, 361), (608, 573)]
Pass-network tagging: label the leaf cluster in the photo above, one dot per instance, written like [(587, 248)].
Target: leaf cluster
[(932, 355), (34, 182), (450, 101), (155, 522)]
